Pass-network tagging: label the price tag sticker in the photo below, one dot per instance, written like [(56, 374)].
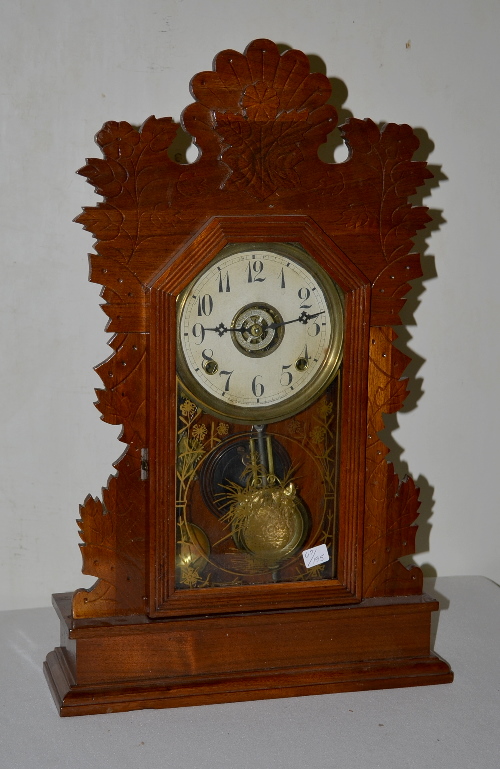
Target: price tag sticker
[(315, 556)]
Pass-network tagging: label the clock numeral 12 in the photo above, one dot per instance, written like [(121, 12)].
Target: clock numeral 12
[(255, 267)]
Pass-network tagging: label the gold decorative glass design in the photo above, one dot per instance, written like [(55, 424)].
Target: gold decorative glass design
[(250, 500)]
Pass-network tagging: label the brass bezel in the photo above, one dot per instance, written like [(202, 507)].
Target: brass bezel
[(291, 405)]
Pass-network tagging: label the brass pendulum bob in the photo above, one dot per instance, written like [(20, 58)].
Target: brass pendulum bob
[(269, 521)]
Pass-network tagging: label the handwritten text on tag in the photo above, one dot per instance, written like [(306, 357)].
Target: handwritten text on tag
[(315, 556)]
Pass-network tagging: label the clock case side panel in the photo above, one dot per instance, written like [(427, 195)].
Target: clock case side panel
[(113, 531), (391, 503), (130, 235), (165, 600)]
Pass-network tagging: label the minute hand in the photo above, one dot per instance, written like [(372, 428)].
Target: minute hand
[(304, 317)]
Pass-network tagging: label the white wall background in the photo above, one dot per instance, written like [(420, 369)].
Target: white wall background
[(67, 66)]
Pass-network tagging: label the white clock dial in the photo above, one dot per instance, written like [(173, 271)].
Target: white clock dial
[(259, 333)]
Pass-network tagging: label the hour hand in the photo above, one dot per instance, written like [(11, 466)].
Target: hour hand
[(221, 329)]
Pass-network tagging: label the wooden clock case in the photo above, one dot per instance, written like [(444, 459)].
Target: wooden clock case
[(133, 640)]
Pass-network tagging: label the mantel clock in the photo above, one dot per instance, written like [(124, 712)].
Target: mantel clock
[(249, 544)]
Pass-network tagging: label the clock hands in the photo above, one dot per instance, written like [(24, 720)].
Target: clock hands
[(304, 318), (221, 329)]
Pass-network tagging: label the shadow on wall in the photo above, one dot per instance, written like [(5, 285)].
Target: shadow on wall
[(403, 343), (335, 149), (444, 604)]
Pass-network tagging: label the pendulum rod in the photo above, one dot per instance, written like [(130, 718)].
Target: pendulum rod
[(262, 451)]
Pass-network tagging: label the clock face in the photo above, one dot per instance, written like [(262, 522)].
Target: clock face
[(259, 333)]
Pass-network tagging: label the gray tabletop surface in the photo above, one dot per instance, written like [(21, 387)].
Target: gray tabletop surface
[(432, 727)]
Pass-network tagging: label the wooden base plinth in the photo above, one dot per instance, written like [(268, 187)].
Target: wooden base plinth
[(129, 663)]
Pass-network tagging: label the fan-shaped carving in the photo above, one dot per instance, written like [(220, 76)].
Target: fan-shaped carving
[(264, 108)]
